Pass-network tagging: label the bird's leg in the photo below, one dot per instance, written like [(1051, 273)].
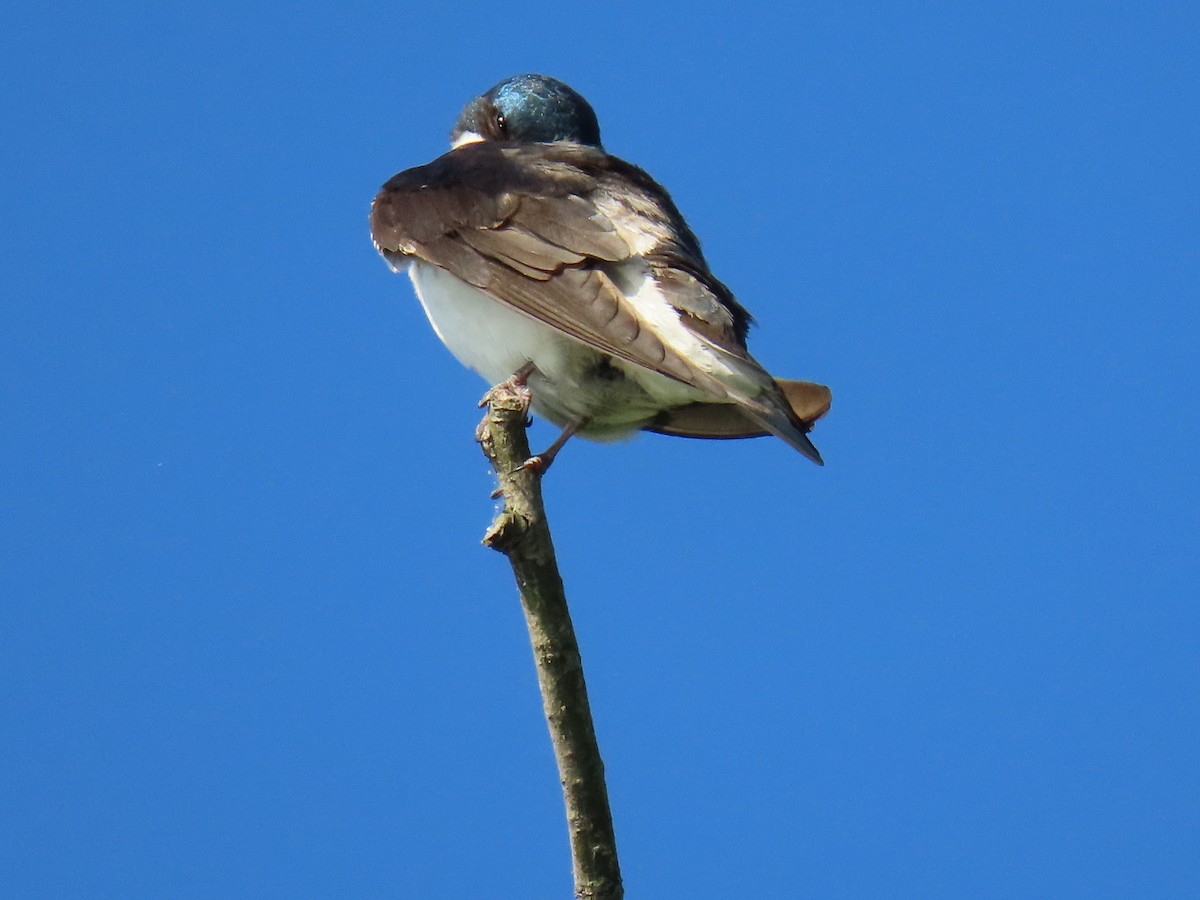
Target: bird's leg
[(541, 462), (522, 374), (517, 384)]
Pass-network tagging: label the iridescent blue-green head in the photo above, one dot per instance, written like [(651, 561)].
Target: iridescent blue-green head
[(528, 109)]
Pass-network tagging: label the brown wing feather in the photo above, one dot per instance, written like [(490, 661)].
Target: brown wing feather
[(540, 243)]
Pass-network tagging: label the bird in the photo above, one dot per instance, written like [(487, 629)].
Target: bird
[(542, 260)]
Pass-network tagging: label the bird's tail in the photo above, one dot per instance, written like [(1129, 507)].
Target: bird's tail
[(788, 412)]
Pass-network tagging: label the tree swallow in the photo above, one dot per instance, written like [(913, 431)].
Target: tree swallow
[(536, 253)]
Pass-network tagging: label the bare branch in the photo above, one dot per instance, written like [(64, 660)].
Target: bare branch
[(521, 533)]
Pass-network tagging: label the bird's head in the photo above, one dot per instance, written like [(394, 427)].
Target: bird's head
[(528, 109)]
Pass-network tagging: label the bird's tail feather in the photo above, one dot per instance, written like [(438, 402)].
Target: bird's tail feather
[(789, 414)]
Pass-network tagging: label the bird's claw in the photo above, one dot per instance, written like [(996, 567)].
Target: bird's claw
[(517, 383), (535, 465)]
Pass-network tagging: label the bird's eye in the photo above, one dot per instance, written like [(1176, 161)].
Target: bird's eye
[(501, 123)]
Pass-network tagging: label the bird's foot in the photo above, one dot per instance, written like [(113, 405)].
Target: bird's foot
[(539, 463), (517, 383), (535, 465), (512, 388)]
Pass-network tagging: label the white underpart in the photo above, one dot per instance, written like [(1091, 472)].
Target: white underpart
[(482, 333), (467, 137), (495, 340)]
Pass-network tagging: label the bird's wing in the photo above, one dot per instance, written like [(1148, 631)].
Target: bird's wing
[(539, 228)]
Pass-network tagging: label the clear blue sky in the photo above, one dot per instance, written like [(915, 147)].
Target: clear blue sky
[(250, 645)]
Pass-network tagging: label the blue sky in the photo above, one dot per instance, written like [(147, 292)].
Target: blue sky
[(251, 645)]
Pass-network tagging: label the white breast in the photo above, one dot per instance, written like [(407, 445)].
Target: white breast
[(482, 333)]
